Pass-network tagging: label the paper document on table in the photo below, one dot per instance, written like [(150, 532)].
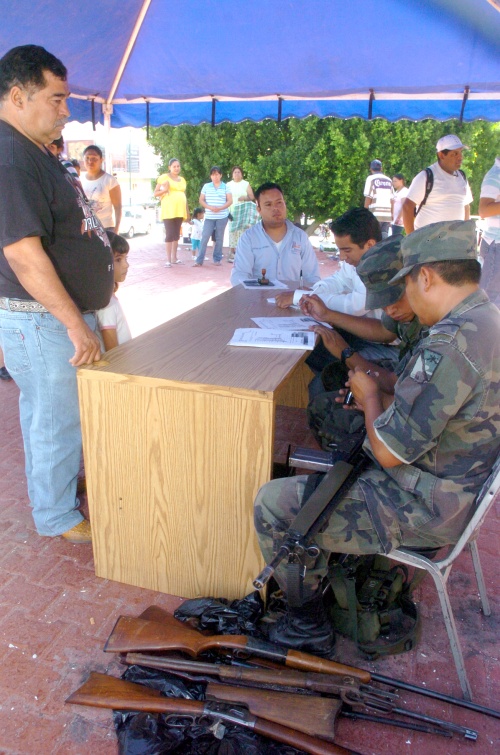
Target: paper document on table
[(254, 283), (274, 339), (286, 323)]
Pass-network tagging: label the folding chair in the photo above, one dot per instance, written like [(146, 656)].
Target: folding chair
[(440, 569)]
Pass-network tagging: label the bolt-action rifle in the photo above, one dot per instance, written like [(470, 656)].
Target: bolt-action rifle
[(104, 691), (167, 633), (286, 689)]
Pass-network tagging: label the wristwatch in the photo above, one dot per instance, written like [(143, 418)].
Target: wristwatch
[(346, 354)]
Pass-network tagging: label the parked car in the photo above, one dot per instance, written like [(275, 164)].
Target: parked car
[(135, 219)]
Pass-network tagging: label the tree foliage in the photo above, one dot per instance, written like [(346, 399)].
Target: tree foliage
[(321, 164)]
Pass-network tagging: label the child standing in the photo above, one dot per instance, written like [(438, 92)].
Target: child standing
[(198, 216), (113, 328)]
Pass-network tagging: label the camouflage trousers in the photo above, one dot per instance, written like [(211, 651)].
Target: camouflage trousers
[(375, 516)]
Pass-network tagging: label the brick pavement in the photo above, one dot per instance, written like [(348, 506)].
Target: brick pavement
[(55, 614)]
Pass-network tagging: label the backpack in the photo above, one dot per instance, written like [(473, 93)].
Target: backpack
[(368, 598), (429, 183)]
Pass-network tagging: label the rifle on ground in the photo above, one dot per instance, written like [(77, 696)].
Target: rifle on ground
[(104, 691), (130, 634), (299, 688), (167, 633)]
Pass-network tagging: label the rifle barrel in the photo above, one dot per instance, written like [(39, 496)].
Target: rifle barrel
[(435, 695)]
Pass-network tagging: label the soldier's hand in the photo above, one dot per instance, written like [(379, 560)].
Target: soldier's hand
[(363, 386), (86, 343), (284, 299), (332, 340)]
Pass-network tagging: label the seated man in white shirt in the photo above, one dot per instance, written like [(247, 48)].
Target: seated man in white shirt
[(275, 245), (356, 231)]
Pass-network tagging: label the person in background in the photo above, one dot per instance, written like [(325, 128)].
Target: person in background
[(400, 192), (113, 326), (444, 194), (489, 210), (57, 148), (197, 231), (378, 195), (171, 190), (216, 199), (241, 191), (102, 189), (76, 165)]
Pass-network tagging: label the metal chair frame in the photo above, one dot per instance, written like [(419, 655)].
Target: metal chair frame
[(440, 569)]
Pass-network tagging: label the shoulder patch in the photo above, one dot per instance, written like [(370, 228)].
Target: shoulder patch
[(425, 366)]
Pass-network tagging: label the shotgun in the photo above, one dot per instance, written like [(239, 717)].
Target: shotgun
[(357, 697), (163, 617), (104, 691), (131, 634)]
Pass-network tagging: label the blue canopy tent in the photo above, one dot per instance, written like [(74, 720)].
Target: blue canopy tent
[(191, 61)]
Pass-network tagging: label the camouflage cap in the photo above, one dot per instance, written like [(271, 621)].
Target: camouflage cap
[(377, 267), (437, 242)]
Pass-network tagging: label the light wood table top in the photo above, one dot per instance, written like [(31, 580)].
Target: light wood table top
[(193, 348)]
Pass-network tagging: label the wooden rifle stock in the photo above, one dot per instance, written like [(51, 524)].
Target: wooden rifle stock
[(104, 691), (307, 713), (130, 634)]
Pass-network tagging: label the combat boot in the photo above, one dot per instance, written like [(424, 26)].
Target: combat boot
[(306, 628)]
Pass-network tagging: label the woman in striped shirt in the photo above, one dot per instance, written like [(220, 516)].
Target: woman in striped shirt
[(216, 200)]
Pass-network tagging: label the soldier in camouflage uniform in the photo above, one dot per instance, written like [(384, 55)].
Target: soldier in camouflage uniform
[(325, 416), (432, 448)]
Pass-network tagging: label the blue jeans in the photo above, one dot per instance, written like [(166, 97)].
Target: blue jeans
[(37, 349), (209, 226)]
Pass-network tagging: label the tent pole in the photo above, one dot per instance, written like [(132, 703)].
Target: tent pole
[(128, 50), (107, 111), (464, 102)]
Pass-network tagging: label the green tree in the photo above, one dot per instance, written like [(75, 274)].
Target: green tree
[(321, 164)]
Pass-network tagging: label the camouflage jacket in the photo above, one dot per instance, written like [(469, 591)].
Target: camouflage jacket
[(444, 423), (409, 334)]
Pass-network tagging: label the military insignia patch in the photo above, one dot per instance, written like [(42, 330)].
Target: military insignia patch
[(425, 365)]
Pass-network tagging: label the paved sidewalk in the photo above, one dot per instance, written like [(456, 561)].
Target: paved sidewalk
[(56, 615)]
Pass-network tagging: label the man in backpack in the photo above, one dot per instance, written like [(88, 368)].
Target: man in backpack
[(432, 447), (440, 192)]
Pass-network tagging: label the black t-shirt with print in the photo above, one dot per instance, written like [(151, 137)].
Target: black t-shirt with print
[(38, 197)]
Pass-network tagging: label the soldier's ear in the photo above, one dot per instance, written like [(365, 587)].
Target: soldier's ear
[(427, 277)]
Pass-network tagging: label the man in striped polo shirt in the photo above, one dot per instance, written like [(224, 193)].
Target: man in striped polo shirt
[(216, 200), (378, 195)]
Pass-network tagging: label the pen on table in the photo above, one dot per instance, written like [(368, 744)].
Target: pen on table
[(301, 280)]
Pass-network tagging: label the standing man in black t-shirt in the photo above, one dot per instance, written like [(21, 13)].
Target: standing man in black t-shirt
[(56, 269)]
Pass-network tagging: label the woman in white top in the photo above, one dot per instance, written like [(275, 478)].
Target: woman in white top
[(102, 189), (241, 192)]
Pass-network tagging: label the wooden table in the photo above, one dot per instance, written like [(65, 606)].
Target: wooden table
[(178, 433)]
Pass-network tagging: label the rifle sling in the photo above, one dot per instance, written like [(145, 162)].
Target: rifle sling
[(321, 497), (307, 517)]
